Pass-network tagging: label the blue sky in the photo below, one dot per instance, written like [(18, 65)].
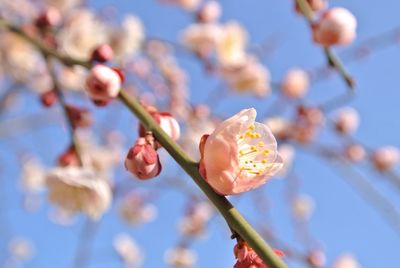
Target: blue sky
[(342, 221)]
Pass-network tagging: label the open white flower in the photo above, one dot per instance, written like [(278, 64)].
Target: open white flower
[(77, 189)]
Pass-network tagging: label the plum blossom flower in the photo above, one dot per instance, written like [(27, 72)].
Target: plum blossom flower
[(303, 207), (77, 189), (315, 5), (287, 153), (209, 12), (127, 40), (201, 38), (295, 83), (21, 249), (102, 83), (32, 175), (354, 152), (385, 158), (142, 160), (250, 76), (232, 44), (180, 257), (128, 250), (346, 261), (347, 120), (194, 223), (82, 32), (135, 210), (239, 155), (337, 26)]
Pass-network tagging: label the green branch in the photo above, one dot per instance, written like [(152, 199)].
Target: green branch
[(234, 219), (232, 216), (331, 57)]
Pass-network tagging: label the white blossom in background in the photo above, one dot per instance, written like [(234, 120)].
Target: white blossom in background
[(231, 48), (202, 38), (180, 257), (18, 58), (103, 158), (251, 76), (280, 126), (72, 78), (33, 175), (127, 40), (128, 250), (303, 207), (347, 120), (76, 189), (194, 223), (287, 152), (295, 83), (385, 158), (62, 217), (346, 261), (81, 34), (21, 249), (135, 210)]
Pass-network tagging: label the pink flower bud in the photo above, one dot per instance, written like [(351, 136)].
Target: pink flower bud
[(80, 117), (142, 160), (315, 5), (354, 152), (103, 83), (295, 83), (68, 158), (210, 12), (385, 158), (239, 155), (316, 259), (337, 26), (102, 53), (48, 98), (346, 121), (247, 258), (167, 122), (48, 18)]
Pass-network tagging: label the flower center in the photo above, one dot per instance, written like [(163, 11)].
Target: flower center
[(252, 152)]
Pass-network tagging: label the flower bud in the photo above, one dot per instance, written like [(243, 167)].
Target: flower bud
[(346, 121), (385, 158), (48, 98), (315, 5), (316, 259), (246, 257), (337, 26), (68, 158), (354, 152), (50, 17), (209, 13), (80, 117), (346, 261), (103, 83), (142, 160), (166, 121), (102, 53), (295, 83)]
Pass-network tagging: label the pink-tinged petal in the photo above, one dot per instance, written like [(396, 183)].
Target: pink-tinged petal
[(239, 155), (236, 121)]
